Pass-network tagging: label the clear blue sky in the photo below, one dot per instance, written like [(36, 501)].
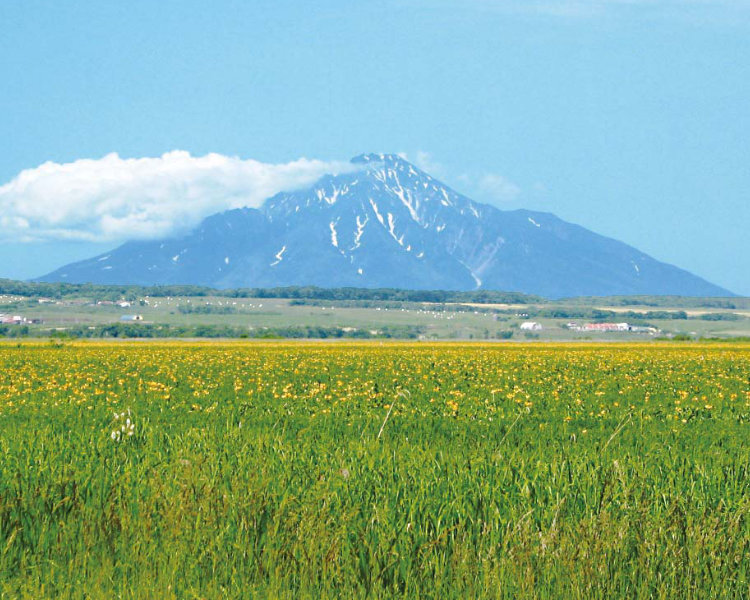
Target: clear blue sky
[(631, 118)]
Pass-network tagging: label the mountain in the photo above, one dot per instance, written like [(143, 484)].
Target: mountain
[(389, 224)]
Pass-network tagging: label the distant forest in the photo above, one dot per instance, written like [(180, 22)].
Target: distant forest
[(133, 292), (148, 330)]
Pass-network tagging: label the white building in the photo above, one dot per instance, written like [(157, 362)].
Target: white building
[(531, 326)]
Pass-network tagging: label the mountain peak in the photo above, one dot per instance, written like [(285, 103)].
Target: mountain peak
[(389, 224), (373, 157), (395, 170)]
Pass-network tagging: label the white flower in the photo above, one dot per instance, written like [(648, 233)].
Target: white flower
[(128, 427)]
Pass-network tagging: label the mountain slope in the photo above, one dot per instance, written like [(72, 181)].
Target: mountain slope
[(389, 224)]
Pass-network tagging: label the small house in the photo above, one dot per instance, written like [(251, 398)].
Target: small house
[(130, 318)]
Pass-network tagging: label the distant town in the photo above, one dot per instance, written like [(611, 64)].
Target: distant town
[(595, 327)]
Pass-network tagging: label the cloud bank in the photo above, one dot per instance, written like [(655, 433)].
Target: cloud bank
[(487, 187), (498, 188), (710, 10), (113, 199)]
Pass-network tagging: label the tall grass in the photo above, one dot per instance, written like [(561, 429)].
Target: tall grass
[(262, 492)]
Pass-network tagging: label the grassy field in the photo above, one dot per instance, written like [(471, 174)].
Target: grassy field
[(147, 470), (430, 320)]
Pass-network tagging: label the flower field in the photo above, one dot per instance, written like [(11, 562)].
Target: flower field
[(179, 470)]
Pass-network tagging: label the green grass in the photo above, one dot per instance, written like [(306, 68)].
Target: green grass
[(258, 471), (435, 324)]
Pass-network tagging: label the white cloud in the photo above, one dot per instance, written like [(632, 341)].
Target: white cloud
[(682, 9), (425, 161), (497, 188), (113, 198), (483, 186)]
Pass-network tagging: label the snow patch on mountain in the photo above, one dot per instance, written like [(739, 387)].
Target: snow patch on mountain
[(377, 212), (278, 256), (334, 235), (335, 193), (477, 280), (360, 230), (392, 230), (406, 200)]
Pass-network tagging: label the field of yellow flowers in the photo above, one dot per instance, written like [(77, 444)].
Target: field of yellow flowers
[(179, 470)]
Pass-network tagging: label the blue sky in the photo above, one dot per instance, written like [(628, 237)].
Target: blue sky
[(629, 117)]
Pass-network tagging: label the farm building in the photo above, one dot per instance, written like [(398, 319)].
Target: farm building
[(531, 326), (606, 327), (12, 319)]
